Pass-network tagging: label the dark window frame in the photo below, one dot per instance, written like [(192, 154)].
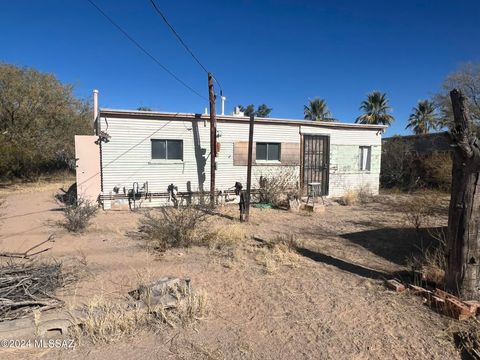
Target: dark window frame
[(267, 151), (167, 141)]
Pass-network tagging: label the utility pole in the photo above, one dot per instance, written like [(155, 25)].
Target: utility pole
[(213, 139), (249, 167)]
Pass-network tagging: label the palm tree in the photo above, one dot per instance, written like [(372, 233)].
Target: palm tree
[(317, 110), (376, 110), (423, 117)]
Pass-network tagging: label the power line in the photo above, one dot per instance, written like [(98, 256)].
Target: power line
[(177, 35), (145, 51)]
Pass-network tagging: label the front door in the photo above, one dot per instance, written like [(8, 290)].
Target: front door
[(316, 158)]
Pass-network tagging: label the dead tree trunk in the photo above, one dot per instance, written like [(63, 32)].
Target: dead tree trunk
[(463, 239)]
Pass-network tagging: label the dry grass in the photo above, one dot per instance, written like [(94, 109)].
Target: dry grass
[(105, 320), (432, 262), (277, 253), (349, 198), (227, 237), (421, 211), (45, 183)]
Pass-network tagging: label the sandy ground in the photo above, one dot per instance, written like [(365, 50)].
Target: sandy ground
[(331, 305)]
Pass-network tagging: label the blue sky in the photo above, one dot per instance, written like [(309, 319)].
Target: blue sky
[(277, 52)]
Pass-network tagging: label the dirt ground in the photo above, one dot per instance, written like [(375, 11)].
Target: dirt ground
[(331, 304)]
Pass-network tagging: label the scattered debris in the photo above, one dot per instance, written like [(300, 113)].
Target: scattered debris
[(440, 300), (26, 286), (395, 285), (26, 254), (469, 341), (167, 291), (316, 208)]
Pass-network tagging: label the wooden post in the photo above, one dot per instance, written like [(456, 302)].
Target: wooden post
[(463, 241), (249, 167), (213, 139)]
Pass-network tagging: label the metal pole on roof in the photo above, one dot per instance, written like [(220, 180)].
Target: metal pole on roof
[(213, 139), (249, 167)]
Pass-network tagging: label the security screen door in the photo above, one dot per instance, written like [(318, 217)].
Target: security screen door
[(316, 158)]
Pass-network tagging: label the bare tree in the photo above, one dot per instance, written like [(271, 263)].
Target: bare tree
[(463, 239), (467, 80)]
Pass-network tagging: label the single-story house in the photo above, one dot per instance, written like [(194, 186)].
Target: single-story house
[(136, 155)]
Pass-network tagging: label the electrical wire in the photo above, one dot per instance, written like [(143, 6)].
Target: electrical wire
[(138, 45), (177, 35)]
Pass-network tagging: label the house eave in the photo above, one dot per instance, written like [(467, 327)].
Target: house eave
[(121, 113)]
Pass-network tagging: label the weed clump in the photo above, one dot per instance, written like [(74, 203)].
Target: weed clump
[(277, 253), (171, 227), (78, 215)]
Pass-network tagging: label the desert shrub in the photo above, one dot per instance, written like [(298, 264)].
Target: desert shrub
[(276, 187), (395, 164), (408, 170), (77, 216), (350, 197), (175, 227), (420, 209), (434, 170)]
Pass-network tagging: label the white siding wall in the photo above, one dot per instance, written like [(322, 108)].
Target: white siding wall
[(127, 157)]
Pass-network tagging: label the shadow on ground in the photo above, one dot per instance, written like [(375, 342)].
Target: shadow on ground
[(350, 267), (397, 244)]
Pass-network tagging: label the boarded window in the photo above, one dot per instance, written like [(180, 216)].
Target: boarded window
[(365, 157), (268, 151), (289, 153), (167, 149)]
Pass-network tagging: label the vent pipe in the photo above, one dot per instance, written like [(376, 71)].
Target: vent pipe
[(96, 122), (223, 104)]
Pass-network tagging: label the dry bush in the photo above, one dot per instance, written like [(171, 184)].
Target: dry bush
[(435, 170), (349, 198), (420, 209), (175, 227), (432, 261), (277, 186), (106, 321), (77, 216), (395, 167), (365, 194), (279, 252), (407, 169)]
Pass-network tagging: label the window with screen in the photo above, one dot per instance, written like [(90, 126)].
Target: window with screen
[(268, 151), (365, 157), (167, 149)]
